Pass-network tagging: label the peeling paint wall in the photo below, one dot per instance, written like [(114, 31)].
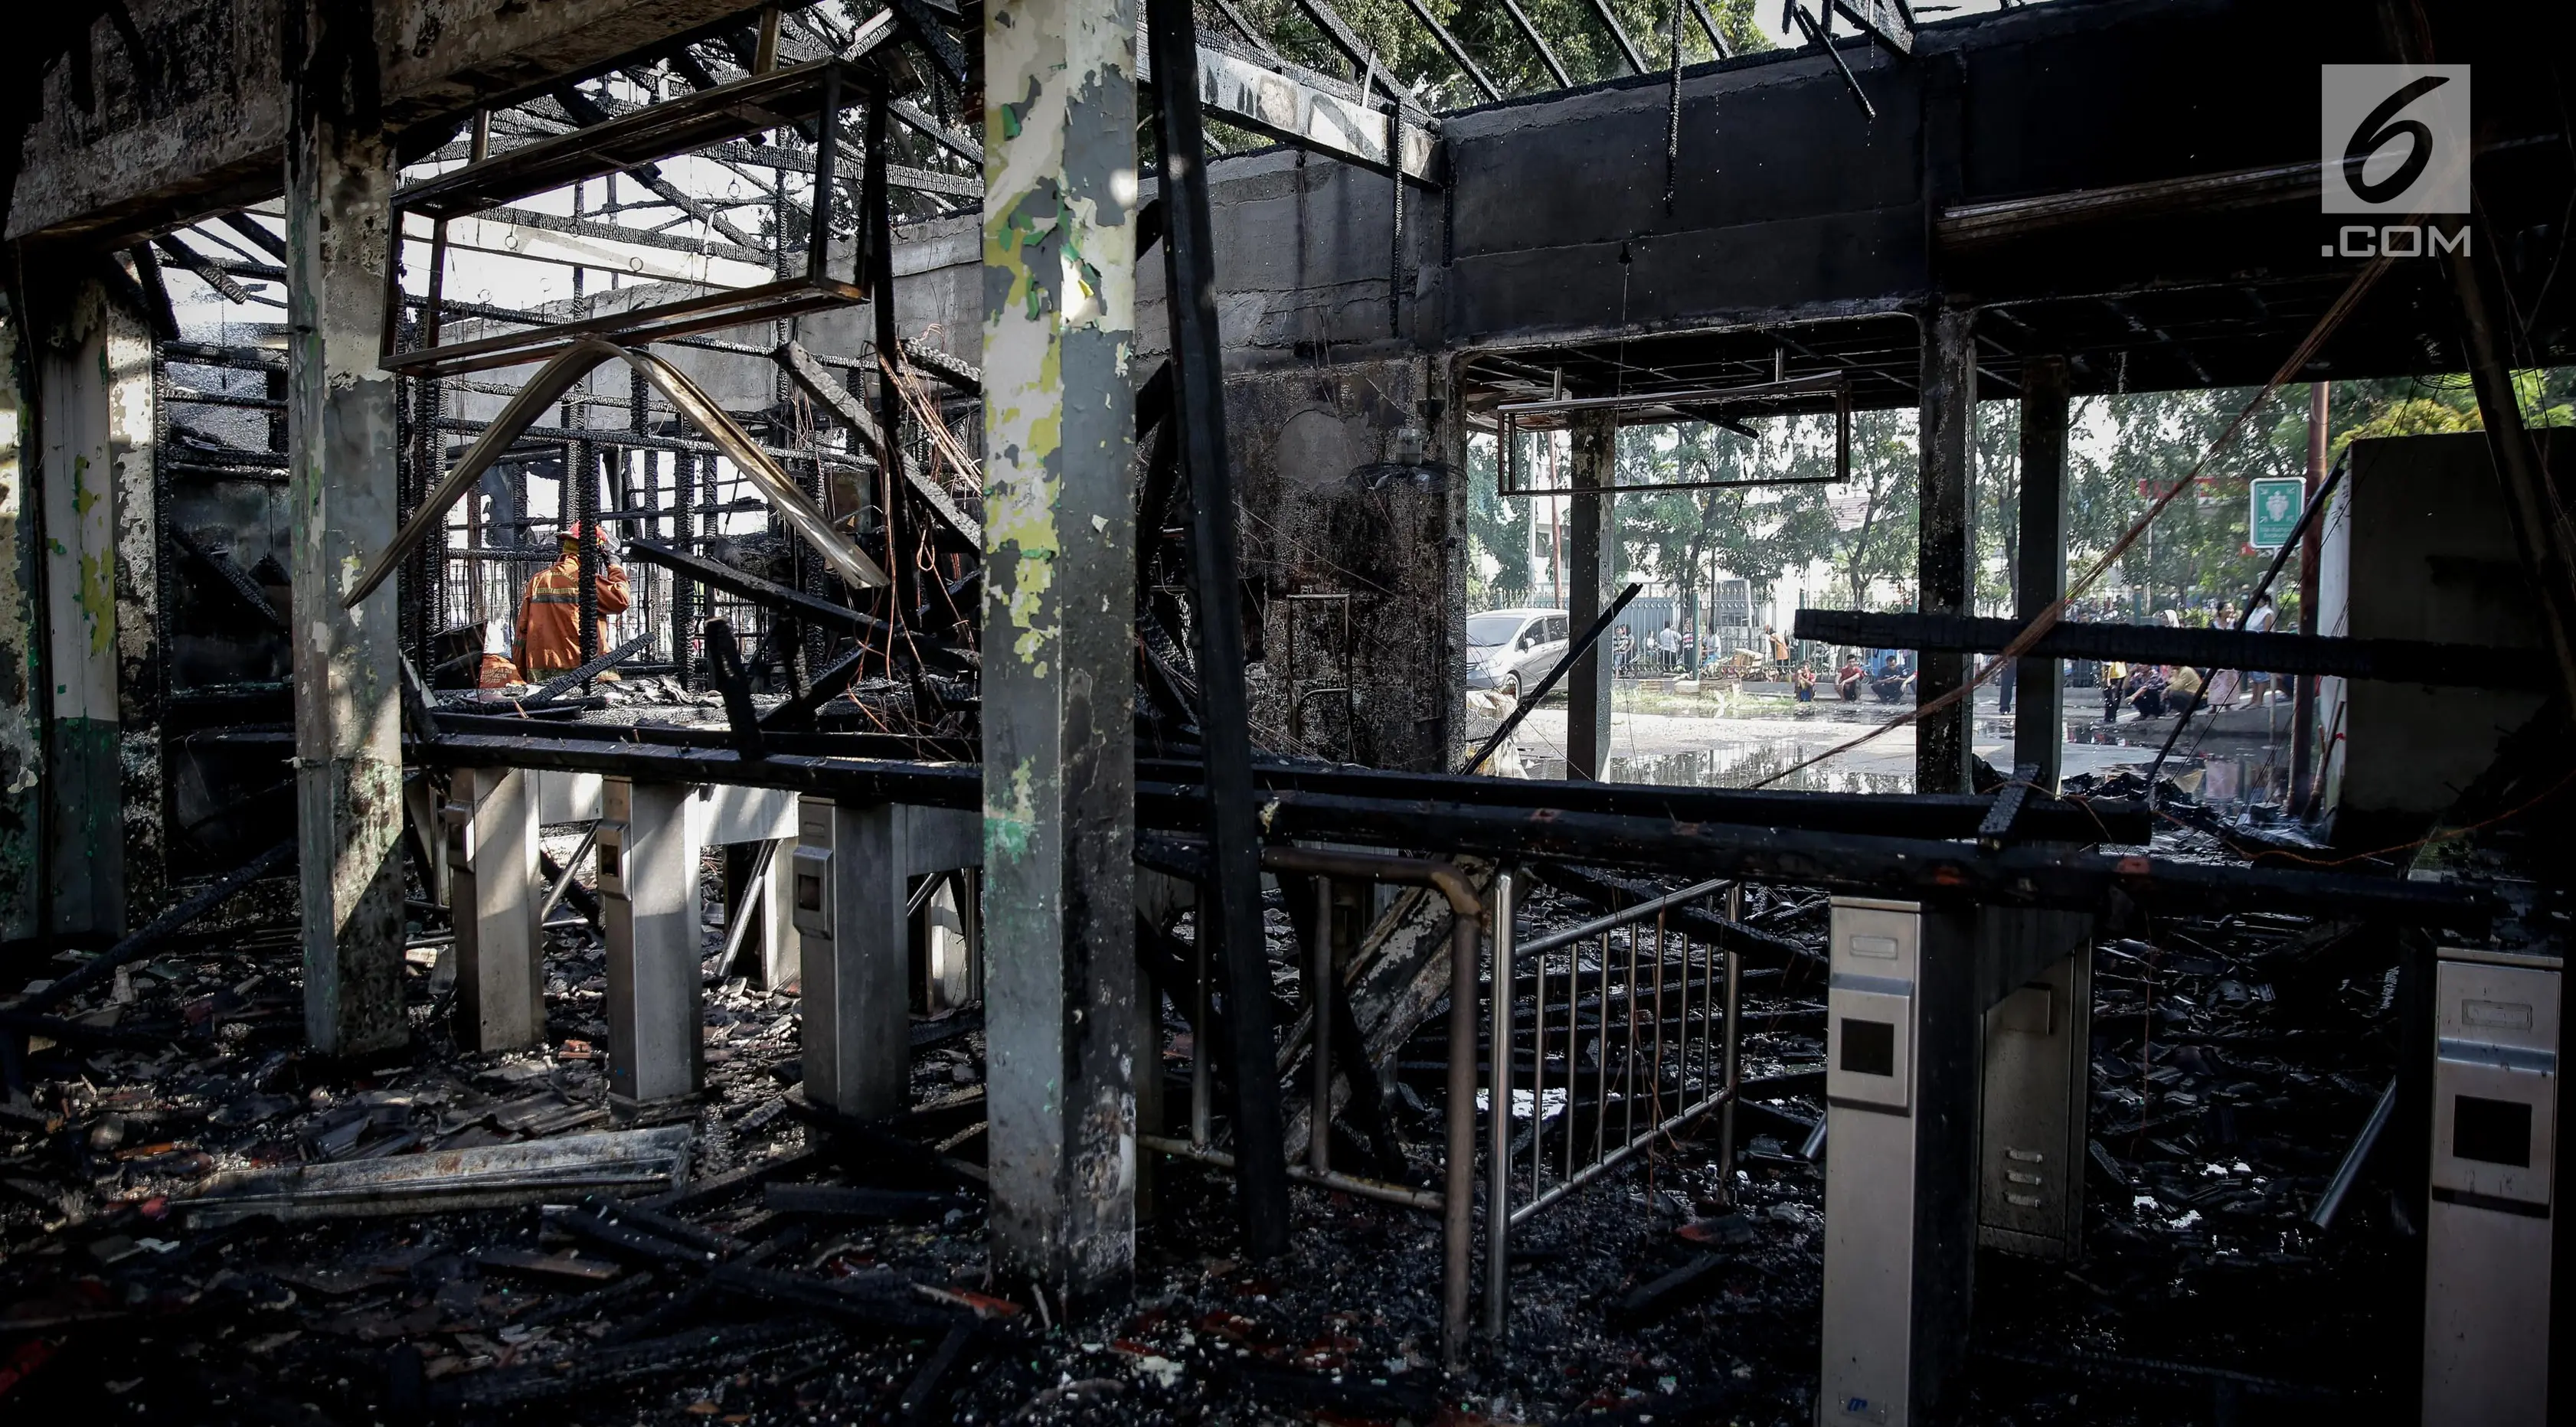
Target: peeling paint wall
[(1304, 256), (340, 481), (21, 652), (1324, 514), (1059, 319), (85, 836), (1321, 376)]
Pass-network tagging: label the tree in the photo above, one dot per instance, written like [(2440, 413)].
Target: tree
[(1752, 532), (1497, 529), (1876, 540)]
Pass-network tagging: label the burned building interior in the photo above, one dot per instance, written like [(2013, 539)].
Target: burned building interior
[(773, 712)]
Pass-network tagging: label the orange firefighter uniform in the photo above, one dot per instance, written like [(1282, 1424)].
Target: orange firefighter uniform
[(550, 611)]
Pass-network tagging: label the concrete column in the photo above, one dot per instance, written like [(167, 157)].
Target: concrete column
[(22, 693), (491, 818), (340, 477), (1591, 563), (142, 674), (853, 880), (2039, 566), (1059, 617), (94, 383), (648, 889), (1944, 553)]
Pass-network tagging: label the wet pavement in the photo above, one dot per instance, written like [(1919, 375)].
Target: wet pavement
[(1731, 736)]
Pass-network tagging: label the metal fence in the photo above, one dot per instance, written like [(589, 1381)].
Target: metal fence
[(1454, 1201), (1631, 1032), (1629, 1024)]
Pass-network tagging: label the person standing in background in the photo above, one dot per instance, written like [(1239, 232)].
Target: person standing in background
[(550, 610)]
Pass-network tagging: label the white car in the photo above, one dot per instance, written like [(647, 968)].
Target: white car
[(1513, 649)]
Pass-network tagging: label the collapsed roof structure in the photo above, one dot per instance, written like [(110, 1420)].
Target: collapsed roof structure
[(1011, 462)]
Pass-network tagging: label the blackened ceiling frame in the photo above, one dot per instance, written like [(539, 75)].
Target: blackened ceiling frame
[(1715, 405)]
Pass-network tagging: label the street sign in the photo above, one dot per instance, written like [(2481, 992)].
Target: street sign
[(2272, 511)]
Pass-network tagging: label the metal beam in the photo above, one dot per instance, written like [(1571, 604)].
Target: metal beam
[(1538, 42), (1230, 919), (794, 603), (852, 413), (2408, 661), (1886, 21), (1928, 815), (1457, 52), (1364, 65), (1244, 92), (1943, 554), (1619, 35), (1952, 872)]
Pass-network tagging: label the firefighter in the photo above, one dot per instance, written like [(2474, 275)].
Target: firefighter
[(550, 611)]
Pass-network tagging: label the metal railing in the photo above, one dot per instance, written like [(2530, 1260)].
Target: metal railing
[(1455, 1201), (1661, 1035), (1662, 1043)]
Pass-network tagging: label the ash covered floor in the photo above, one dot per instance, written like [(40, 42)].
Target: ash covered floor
[(797, 1278)]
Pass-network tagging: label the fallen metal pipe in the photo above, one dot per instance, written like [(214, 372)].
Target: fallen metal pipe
[(98, 968), (1574, 653), (2348, 1173), (754, 887), (572, 869), (1377, 1189)]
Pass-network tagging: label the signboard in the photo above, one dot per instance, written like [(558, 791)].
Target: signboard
[(2272, 510)]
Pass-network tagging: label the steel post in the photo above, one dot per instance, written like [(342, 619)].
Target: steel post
[(1501, 902), (2303, 703), (1059, 642), (1319, 1002), (1944, 553), (1593, 560), (2039, 566), (1458, 1172), (1232, 913)]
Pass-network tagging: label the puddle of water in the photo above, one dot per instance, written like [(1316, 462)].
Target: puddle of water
[(1734, 765)]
